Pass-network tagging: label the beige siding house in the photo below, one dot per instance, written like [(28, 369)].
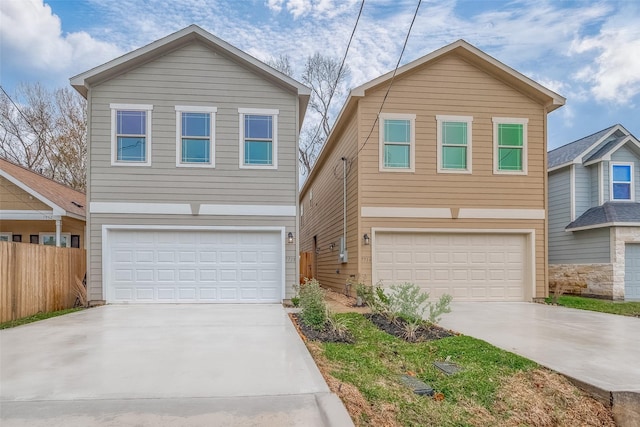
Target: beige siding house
[(192, 182), (442, 184), (35, 209)]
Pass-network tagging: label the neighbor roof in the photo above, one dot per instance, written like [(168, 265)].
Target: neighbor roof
[(82, 82), (469, 53), (63, 200), (590, 148), (609, 214)]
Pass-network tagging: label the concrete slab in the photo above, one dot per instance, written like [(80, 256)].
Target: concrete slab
[(595, 348), (133, 361)]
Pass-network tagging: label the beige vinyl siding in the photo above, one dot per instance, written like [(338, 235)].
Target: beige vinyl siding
[(13, 197), (323, 215), (98, 220), (27, 228), (453, 87), (193, 75)]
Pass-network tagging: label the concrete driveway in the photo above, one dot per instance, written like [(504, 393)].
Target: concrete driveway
[(163, 365), (601, 350)]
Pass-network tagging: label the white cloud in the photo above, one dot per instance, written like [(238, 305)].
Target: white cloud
[(613, 74), (316, 8), (32, 39)]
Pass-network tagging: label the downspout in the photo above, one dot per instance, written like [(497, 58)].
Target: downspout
[(343, 252)]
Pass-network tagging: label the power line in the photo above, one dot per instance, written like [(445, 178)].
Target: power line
[(335, 84), (392, 77)]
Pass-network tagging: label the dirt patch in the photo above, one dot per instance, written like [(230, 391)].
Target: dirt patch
[(341, 303), (361, 411), (398, 329), (323, 335)]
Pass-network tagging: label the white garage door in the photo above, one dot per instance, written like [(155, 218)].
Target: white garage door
[(469, 267), (194, 266), (632, 271)]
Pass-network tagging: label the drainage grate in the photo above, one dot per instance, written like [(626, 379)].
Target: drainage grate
[(448, 368), (419, 387)]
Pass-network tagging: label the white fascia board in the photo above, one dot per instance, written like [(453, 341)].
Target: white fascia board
[(603, 225), (580, 157), (555, 168), (404, 212), (30, 215), (57, 210), (186, 209), (472, 213)]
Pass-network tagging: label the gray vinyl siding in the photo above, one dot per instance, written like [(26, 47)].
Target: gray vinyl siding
[(582, 247), (583, 189), (194, 76), (595, 185), (606, 172), (624, 154), (98, 220)]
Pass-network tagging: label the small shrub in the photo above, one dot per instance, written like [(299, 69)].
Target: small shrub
[(439, 308), (410, 330), (408, 302), (313, 307), (295, 300), (337, 325), (364, 293)]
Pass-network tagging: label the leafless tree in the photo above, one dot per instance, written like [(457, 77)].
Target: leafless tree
[(323, 75), (45, 130)]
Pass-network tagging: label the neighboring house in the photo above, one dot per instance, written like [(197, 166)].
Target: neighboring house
[(35, 209), (441, 183), (192, 174), (594, 215)]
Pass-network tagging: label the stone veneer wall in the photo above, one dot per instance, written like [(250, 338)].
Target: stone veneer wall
[(583, 279), (619, 236)]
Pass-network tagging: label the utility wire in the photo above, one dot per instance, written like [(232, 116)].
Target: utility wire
[(335, 84), (392, 77)]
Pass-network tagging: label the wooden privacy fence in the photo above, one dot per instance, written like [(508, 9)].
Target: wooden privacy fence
[(306, 265), (38, 278)]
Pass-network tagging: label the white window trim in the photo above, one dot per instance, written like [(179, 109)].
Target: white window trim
[(412, 141), (506, 121), (632, 189), (261, 112), (53, 234), (212, 135), (114, 141), (465, 119), (8, 235)]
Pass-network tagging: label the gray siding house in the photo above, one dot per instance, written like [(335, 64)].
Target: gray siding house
[(594, 215), (192, 174)]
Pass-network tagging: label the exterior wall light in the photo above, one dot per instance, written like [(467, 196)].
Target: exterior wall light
[(290, 237), (331, 246), (366, 238)]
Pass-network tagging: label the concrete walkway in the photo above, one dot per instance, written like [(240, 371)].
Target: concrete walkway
[(601, 350), (149, 365)]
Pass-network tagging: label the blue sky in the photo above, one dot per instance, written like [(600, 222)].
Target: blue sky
[(587, 51)]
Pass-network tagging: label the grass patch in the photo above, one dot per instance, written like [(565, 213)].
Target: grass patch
[(626, 308), (374, 363), (36, 317), (495, 387)]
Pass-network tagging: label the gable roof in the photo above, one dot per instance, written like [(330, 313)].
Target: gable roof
[(63, 200), (469, 53), (590, 148), (83, 81), (609, 214)]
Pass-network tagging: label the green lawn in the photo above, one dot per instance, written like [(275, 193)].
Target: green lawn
[(36, 317), (375, 362), (627, 308)]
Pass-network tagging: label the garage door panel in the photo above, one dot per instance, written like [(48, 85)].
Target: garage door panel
[(194, 266), (473, 266)]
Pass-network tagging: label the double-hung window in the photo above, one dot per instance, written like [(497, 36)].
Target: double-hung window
[(6, 237), (454, 143), (131, 134), (397, 142), (258, 138), (49, 239), (195, 136), (510, 145), (622, 181)]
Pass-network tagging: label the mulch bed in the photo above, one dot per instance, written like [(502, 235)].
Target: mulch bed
[(324, 335), (424, 333)]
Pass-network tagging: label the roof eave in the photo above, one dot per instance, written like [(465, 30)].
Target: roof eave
[(603, 225)]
